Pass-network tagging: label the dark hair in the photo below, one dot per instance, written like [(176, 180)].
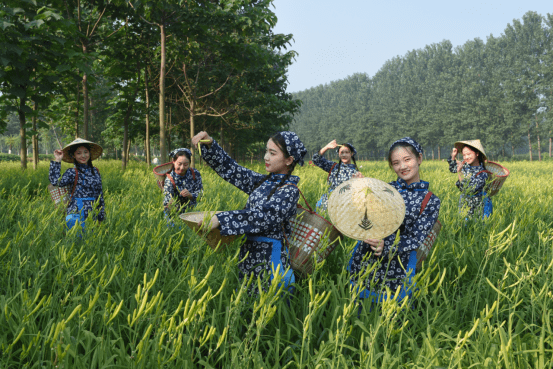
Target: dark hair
[(74, 148), (404, 145), (479, 154), (279, 141), (352, 158), (182, 153)]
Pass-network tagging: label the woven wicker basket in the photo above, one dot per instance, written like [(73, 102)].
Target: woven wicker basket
[(213, 237), (311, 235), (499, 174), (60, 195), (161, 171), (424, 249)]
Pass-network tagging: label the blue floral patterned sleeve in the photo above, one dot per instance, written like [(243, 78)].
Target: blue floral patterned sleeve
[(417, 229), (266, 216), (243, 178), (67, 179), (322, 162), (452, 165)]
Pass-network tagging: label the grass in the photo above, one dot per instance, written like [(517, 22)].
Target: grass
[(138, 294)]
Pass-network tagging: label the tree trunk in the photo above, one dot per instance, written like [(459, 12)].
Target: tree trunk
[(513, 151), (549, 143), (193, 149), (77, 114), (433, 154), (162, 148), (147, 140), (35, 138), (22, 133), (530, 145), (439, 153), (126, 143), (539, 148)]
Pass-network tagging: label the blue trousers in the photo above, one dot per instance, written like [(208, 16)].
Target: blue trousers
[(72, 219)]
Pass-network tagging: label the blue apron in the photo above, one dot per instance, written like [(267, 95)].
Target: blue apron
[(287, 275), (72, 219)]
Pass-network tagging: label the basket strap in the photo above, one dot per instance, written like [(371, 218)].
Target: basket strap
[(330, 171), (172, 181), (425, 201), (304, 200), (193, 173)]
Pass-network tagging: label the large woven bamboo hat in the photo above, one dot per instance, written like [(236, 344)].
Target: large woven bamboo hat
[(472, 143), (364, 208), (95, 150)]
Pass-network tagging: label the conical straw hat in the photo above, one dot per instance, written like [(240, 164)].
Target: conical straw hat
[(364, 208), (473, 143), (95, 150), (213, 237)]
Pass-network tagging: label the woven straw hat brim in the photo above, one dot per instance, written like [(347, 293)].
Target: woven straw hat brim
[(95, 150), (214, 236), (473, 143), (365, 208)]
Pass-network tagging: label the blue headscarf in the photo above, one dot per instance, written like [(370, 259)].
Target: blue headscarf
[(182, 149), (410, 141), (294, 146)]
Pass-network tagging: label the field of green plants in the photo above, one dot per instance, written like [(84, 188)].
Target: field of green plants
[(137, 294)]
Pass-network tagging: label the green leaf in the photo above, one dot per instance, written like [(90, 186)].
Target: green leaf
[(17, 91), (5, 61), (63, 67), (5, 25), (36, 23)]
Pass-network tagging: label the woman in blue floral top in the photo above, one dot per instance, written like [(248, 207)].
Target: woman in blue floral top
[(337, 172), (88, 188), (272, 202), (396, 264), (473, 199), (183, 185)]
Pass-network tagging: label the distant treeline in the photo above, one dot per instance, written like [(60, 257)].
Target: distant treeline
[(499, 91)]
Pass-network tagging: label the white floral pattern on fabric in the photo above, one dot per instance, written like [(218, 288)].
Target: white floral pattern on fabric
[(294, 146), (471, 187), (340, 173), (410, 141), (194, 186), (261, 216), (89, 184), (414, 229)]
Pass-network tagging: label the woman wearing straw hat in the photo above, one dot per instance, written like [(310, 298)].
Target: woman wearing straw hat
[(272, 202), (473, 199), (183, 185), (85, 179), (337, 172), (395, 263)]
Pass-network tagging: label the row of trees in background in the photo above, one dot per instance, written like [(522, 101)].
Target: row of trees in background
[(499, 91), (121, 72)]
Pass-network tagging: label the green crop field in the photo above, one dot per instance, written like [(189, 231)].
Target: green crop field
[(137, 294)]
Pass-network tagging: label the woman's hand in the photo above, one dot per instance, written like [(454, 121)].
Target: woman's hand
[(58, 155), (185, 193), (376, 245), (460, 165), (331, 145), (214, 223), (454, 153), (201, 136), (358, 175)]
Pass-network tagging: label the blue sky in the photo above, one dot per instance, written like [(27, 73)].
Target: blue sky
[(336, 39)]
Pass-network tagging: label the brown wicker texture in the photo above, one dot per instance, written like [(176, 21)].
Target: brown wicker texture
[(473, 143), (213, 237), (366, 208), (424, 249), (311, 235), (95, 150), (499, 174), (60, 195), (161, 171)]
